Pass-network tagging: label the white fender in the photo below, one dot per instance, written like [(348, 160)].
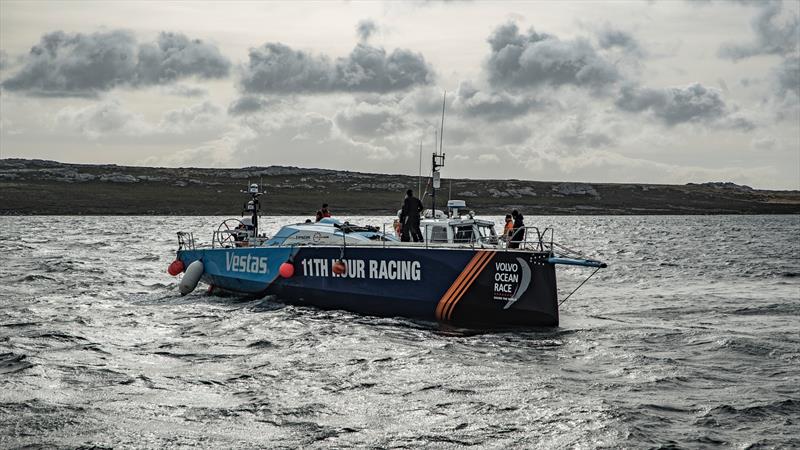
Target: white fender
[(191, 277)]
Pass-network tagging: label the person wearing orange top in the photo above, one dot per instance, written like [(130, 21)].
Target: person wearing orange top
[(508, 229)]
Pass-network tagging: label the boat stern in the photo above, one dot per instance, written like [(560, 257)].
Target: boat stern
[(503, 288)]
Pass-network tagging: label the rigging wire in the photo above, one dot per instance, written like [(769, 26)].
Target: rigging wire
[(579, 286)]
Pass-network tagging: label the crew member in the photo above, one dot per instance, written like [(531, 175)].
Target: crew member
[(398, 230), (409, 218), (320, 215), (519, 230), (508, 229), (324, 210)]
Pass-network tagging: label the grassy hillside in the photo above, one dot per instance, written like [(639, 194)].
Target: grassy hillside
[(48, 187)]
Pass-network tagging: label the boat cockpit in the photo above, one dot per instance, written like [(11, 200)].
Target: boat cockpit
[(458, 226)]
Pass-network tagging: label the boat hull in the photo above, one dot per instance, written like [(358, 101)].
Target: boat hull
[(458, 286)]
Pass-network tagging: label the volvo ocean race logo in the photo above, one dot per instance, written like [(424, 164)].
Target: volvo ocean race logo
[(511, 280), (245, 263)]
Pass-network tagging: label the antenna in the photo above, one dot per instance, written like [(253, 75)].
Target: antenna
[(437, 161), (419, 176), (441, 132)]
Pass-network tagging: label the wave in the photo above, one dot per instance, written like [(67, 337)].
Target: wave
[(36, 277), (263, 343), (772, 309), (789, 407), (59, 336), (13, 362)]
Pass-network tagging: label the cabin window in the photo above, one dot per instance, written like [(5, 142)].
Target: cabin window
[(486, 231), (464, 234), (438, 234)]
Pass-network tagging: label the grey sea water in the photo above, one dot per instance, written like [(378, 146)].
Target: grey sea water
[(691, 338)]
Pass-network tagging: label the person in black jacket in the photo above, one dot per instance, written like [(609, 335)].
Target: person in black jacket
[(519, 230), (409, 218)]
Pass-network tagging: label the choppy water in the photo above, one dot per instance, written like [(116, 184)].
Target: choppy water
[(691, 338)]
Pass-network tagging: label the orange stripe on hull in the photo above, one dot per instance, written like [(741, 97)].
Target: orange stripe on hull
[(453, 287), (463, 281), (448, 313)]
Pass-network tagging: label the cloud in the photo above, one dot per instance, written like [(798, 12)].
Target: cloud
[(492, 106), (675, 105), (425, 101), (576, 133), (5, 61), (773, 37), (84, 65), (777, 32), (248, 104), (277, 68), (366, 120), (314, 142), (603, 165), (609, 38), (193, 117), (183, 90), (111, 119), (365, 30), (217, 152), (531, 60), (490, 158), (103, 118), (175, 56), (785, 82), (786, 77), (764, 143)]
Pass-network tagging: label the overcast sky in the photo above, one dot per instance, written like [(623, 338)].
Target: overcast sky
[(650, 91)]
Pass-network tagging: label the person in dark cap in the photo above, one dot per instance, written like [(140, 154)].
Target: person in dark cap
[(409, 218), (518, 235)]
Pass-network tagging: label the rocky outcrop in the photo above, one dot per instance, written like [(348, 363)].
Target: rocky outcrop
[(568, 189), (119, 178), (725, 185)]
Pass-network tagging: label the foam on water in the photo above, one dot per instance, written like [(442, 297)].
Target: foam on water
[(690, 338)]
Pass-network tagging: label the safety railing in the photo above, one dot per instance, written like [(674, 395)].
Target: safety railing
[(522, 239), (186, 241), (530, 239)]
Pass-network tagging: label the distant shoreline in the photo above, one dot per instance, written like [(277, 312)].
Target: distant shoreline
[(36, 187)]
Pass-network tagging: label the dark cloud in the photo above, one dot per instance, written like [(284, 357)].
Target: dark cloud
[(787, 77), (534, 59), (492, 106), (247, 105), (76, 64), (83, 65), (277, 68), (774, 36), (676, 105), (175, 56), (612, 38), (365, 29), (737, 122), (367, 120)]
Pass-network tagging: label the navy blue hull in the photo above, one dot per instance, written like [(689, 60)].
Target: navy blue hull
[(460, 286)]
